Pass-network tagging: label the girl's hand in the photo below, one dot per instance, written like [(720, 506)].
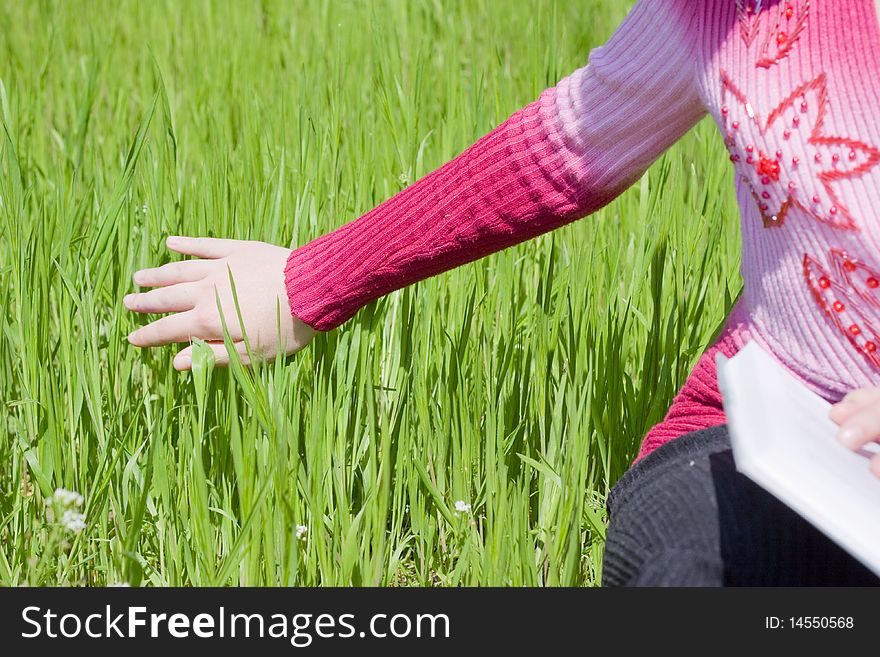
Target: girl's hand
[(188, 288), (858, 415)]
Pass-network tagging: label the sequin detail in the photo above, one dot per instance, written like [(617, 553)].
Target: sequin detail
[(837, 294), (812, 162)]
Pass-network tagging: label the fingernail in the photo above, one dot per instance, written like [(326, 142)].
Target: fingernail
[(127, 299), (172, 240), (132, 336), (850, 435), (137, 278), (183, 362)]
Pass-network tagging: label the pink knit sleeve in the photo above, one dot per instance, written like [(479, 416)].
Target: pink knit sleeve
[(560, 158)]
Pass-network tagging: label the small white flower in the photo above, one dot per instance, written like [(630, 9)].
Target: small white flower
[(63, 507), (144, 209), (73, 521), (462, 507), (63, 504), (301, 531), (65, 498)]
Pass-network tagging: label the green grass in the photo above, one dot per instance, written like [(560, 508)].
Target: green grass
[(521, 384)]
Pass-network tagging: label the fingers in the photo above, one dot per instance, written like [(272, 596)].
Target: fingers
[(179, 327), (858, 415), (842, 411), (183, 360), (861, 428), (171, 299), (853, 402), (202, 247), (182, 271), (862, 396)]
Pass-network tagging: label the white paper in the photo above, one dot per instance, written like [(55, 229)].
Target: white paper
[(783, 439)]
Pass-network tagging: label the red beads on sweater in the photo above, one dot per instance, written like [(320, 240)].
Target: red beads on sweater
[(847, 299), (775, 29), (768, 167), (781, 180)]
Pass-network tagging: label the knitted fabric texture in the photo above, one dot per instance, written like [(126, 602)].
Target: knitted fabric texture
[(684, 516), (794, 88)]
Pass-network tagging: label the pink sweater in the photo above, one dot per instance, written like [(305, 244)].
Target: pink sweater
[(794, 88)]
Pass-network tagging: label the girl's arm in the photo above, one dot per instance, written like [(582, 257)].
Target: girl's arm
[(560, 158)]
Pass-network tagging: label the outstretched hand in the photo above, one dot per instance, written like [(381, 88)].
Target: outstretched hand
[(858, 415), (189, 290)]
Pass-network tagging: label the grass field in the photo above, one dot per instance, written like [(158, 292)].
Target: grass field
[(520, 385)]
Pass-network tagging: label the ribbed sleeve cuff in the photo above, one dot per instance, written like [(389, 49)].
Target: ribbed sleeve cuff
[(513, 184)]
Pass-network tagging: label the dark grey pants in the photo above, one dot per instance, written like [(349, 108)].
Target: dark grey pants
[(683, 516)]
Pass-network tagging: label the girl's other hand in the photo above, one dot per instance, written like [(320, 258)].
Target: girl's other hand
[(858, 415), (188, 289)]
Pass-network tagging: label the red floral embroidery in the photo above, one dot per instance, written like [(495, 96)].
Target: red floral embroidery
[(832, 293), (779, 41), (861, 278), (782, 27), (785, 167), (747, 12)]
